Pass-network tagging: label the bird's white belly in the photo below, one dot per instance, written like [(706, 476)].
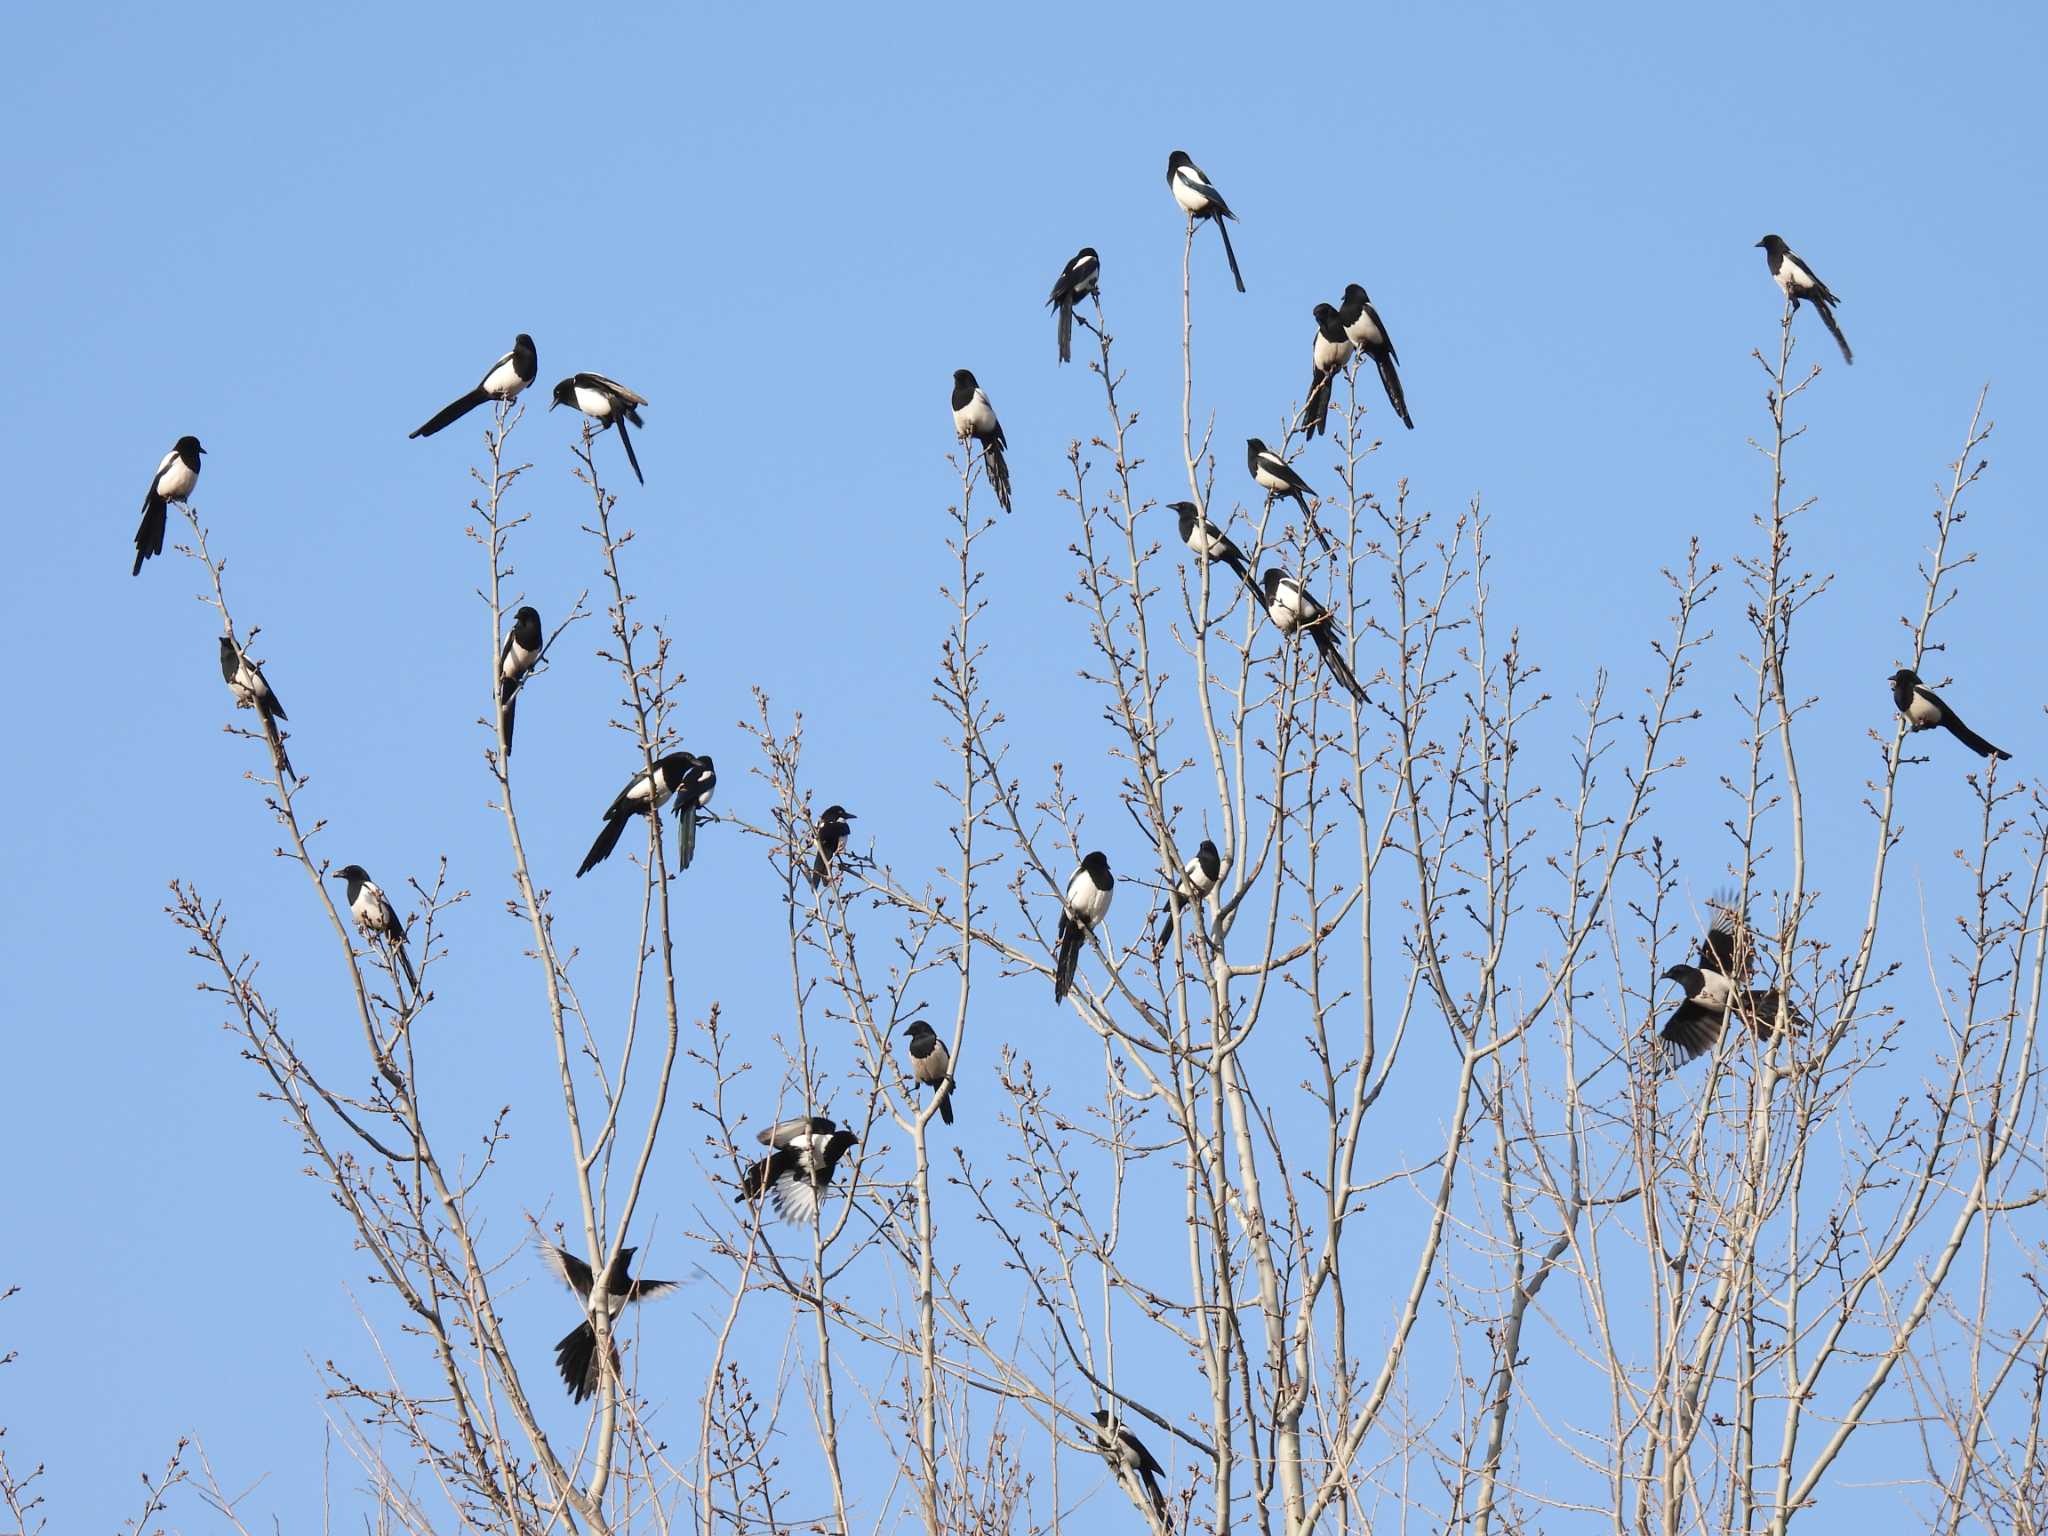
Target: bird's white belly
[(1715, 990), (175, 480), (1328, 354), (594, 403), (503, 381), (1922, 712)]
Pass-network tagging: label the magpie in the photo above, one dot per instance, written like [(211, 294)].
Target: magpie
[(1292, 611), (1076, 281), (1085, 905), (1199, 199), (1923, 710), (517, 657), (930, 1063), (828, 838), (648, 792), (1365, 331), (693, 798), (1276, 477), (1694, 1027), (175, 476), (1328, 354), (576, 1355), (252, 690), (1127, 1457), (606, 402), (1198, 878), (1211, 543), (795, 1174), (1799, 281), (974, 417), (503, 380), (375, 915)]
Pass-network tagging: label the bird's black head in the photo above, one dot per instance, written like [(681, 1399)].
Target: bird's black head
[(1324, 313), (188, 449), (1097, 865), (353, 873), (1101, 1416), (1687, 976), (1208, 854), (1086, 253), (1354, 293), (836, 1147), (963, 378), (526, 625), (1184, 508), (919, 1028), (227, 649), (626, 1259), (705, 770), (565, 394), (1903, 678), (1771, 243), (522, 345), (837, 813), (1270, 581)]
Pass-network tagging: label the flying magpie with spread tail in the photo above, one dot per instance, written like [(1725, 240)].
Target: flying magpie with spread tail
[(1127, 1457), (828, 838), (1204, 539), (1799, 281), (974, 417), (1199, 199), (1075, 282), (1276, 477), (1712, 989), (175, 476), (606, 402), (1293, 612), (1198, 878), (252, 690), (1328, 354), (1084, 906), (930, 1061), (375, 915), (503, 380), (576, 1355), (683, 775), (796, 1173), (516, 657), (1365, 331), (1924, 710)]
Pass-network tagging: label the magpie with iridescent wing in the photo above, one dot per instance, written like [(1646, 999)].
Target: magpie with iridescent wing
[(606, 402), (1198, 877), (828, 840), (1924, 710), (1076, 281), (503, 380), (1294, 612), (252, 690), (1210, 543), (1713, 989), (1128, 1457), (1328, 354), (975, 418), (796, 1173), (1276, 477), (1801, 282), (930, 1063), (176, 473), (1084, 906), (375, 915), (679, 774), (516, 658), (1199, 199), (1362, 327), (576, 1355)]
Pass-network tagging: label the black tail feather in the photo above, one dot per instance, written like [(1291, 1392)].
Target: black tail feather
[(276, 740), (1970, 738), (946, 1106), (1827, 318), (508, 712), (1229, 253), (1069, 959), (1168, 914), (1315, 415), (405, 963), (1066, 330), (632, 458), (998, 473), (576, 1357), (1390, 381), (149, 538), (453, 411), (818, 871), (1332, 652), (601, 850), (686, 839)]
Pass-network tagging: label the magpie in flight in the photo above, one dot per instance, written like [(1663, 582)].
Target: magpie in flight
[(1328, 354), (1800, 282), (974, 417), (828, 838), (1076, 281), (1276, 477), (503, 380), (679, 774), (1199, 199), (930, 1062), (1924, 710), (795, 1174), (517, 657), (1362, 325), (606, 402), (175, 476), (576, 1355), (1127, 1457), (1211, 543), (1292, 611), (251, 689), (1085, 905), (375, 915), (1198, 878), (1711, 988)]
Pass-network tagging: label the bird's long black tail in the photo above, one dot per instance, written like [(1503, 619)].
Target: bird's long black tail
[(998, 473), (601, 850), (453, 411), (1229, 254), (1970, 738), (818, 870), (1066, 330), (1315, 415), (1167, 916), (1390, 381), (686, 838), (1069, 959), (277, 752), (946, 1105), (1827, 318), (1158, 1496), (1308, 518), (149, 538), (405, 963), (508, 712), (576, 1356), (1332, 651), (632, 458)]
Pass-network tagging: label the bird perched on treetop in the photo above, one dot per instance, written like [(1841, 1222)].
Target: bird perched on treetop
[(1076, 281), (1276, 477), (1199, 199), (930, 1061), (1801, 282), (252, 690), (375, 915), (1294, 612), (606, 402), (681, 774), (576, 1355), (503, 380), (796, 1173), (1328, 353), (1712, 987), (1084, 906), (1364, 330), (828, 838), (1924, 710), (516, 657), (176, 474), (974, 417)]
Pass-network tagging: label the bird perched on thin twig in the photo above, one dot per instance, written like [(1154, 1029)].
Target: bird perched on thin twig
[(930, 1062), (1713, 988), (606, 402), (516, 658), (375, 915), (974, 417), (1128, 1457), (796, 1173), (1328, 353), (1362, 327), (1083, 907), (828, 840), (1799, 281), (1276, 477), (576, 1355), (1199, 199), (1924, 709), (1210, 543), (176, 473), (679, 774), (1198, 877), (503, 380), (252, 690), (1294, 612), (1076, 281)]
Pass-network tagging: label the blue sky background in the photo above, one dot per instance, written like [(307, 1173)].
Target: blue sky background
[(297, 234)]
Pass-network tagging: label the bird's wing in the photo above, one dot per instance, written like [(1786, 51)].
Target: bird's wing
[(783, 1133), (611, 387), (569, 1269)]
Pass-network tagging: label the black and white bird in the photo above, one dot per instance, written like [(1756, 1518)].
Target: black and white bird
[(1081, 910), (828, 838), (576, 1355), (1204, 539), (503, 380), (606, 402), (796, 1173), (173, 481), (1712, 989), (1276, 477), (1328, 354), (1363, 328), (375, 915), (1799, 281), (1198, 877), (680, 774), (1128, 1458), (1199, 199), (974, 417), (1294, 612), (252, 690), (1076, 281), (930, 1062), (1924, 710), (516, 657)]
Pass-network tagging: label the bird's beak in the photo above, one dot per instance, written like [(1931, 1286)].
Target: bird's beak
[(337, 875), (851, 817), (1759, 245)]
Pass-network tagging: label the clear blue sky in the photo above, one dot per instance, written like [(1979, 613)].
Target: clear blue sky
[(295, 233)]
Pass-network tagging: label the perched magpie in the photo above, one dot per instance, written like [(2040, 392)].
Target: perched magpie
[(678, 772), (1293, 611), (576, 1355), (1276, 477), (606, 402), (930, 1061), (516, 658), (1328, 354), (1198, 878), (693, 798), (1076, 281), (828, 838), (175, 476), (1711, 987), (375, 915), (1127, 1457), (1363, 328), (503, 380), (974, 417), (1085, 905), (1199, 199), (251, 689), (1923, 710), (1801, 282), (1204, 539), (795, 1174)]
